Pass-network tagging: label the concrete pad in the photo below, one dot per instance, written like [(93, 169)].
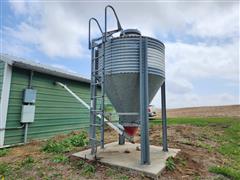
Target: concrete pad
[(116, 155)]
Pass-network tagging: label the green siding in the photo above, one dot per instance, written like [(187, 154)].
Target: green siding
[(2, 64), (56, 110)]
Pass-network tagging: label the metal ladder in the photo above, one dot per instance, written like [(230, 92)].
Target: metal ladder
[(97, 101), (97, 79)]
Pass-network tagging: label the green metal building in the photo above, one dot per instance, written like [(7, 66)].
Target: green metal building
[(56, 111)]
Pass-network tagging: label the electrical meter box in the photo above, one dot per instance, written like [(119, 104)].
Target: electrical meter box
[(28, 113), (29, 96)]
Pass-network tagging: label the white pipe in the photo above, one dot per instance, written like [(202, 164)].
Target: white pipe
[(121, 132)]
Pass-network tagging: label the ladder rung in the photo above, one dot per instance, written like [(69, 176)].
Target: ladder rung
[(98, 125), (98, 57), (98, 83), (97, 71), (95, 97), (97, 110)]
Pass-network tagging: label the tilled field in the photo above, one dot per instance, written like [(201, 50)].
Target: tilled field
[(208, 111)]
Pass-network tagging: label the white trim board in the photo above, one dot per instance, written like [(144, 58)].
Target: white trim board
[(7, 76)]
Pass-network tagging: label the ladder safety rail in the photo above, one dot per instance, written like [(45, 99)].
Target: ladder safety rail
[(89, 32), (118, 22)]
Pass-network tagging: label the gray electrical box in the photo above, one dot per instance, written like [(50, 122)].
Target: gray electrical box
[(29, 96), (28, 113)]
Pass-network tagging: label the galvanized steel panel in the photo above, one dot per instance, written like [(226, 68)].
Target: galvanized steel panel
[(122, 59), (122, 55)]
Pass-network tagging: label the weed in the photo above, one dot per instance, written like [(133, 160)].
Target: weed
[(80, 163), (27, 162), (66, 145), (88, 169), (110, 172), (3, 152), (79, 140), (123, 177), (170, 164), (226, 171), (60, 159), (204, 146), (5, 169), (52, 146)]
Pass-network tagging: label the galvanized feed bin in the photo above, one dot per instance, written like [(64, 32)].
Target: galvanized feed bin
[(122, 71)]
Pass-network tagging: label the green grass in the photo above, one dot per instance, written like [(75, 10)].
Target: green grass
[(197, 121), (170, 164), (226, 171), (4, 152), (28, 162), (5, 169), (88, 169), (230, 143), (60, 159)]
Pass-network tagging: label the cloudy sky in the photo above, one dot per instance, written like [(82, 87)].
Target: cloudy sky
[(201, 39)]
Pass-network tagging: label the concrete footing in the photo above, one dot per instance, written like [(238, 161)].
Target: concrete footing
[(128, 156)]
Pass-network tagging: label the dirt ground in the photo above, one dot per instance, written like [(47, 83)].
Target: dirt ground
[(195, 156), (192, 162), (198, 146), (207, 111)]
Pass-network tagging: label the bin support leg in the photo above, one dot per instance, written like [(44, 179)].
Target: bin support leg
[(164, 118)]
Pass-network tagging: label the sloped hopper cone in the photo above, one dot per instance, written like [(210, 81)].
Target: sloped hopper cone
[(123, 92), (122, 57)]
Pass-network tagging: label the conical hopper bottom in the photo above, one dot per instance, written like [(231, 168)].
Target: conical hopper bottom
[(123, 91)]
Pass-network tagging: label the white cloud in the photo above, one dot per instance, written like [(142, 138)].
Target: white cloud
[(14, 47), (19, 7), (193, 61), (221, 22), (188, 63), (179, 85), (60, 29), (56, 33)]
